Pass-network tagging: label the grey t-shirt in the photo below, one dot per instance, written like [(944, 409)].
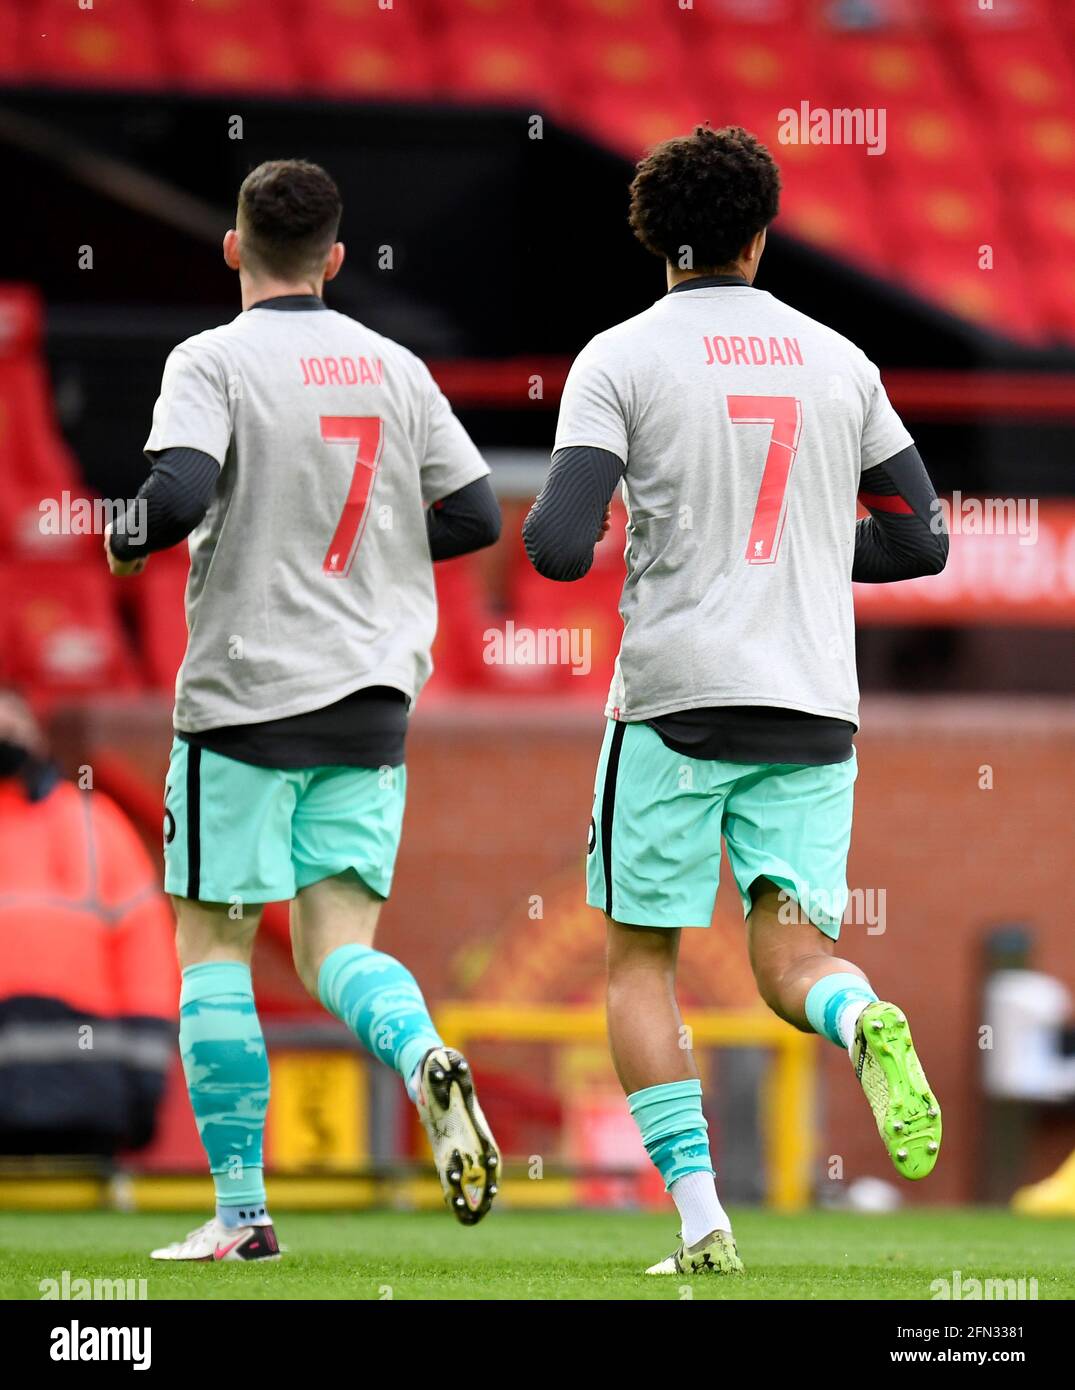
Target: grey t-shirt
[(744, 426), (310, 575)]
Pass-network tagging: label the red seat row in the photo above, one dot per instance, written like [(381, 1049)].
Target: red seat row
[(977, 174)]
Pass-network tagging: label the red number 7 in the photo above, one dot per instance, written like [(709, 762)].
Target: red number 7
[(368, 433), (785, 415)]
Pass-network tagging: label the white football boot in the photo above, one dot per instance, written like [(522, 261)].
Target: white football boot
[(464, 1150), (714, 1254), (215, 1241)]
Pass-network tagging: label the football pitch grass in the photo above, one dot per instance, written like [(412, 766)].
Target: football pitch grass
[(547, 1255)]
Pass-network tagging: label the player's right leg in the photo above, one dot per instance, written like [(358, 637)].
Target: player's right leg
[(351, 817), (787, 830), (227, 835), (653, 864)]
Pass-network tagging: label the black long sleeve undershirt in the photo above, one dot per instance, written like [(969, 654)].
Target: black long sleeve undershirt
[(563, 526), (176, 496), (169, 504), (904, 537), (464, 521)]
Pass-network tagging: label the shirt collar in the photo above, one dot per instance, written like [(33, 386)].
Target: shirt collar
[(291, 301), (708, 282)]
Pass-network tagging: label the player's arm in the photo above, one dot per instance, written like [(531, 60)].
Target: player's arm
[(187, 446), (466, 520), (589, 459), (571, 512), (462, 512), (904, 537), (170, 503)]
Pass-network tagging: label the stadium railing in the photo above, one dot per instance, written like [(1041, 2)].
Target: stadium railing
[(789, 1096)]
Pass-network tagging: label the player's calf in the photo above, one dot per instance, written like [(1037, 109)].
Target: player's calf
[(804, 983), (844, 1009), (378, 998), (227, 1073)]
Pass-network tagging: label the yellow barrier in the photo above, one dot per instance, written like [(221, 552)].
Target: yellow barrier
[(788, 1097)]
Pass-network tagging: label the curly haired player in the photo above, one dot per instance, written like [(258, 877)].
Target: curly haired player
[(743, 434)]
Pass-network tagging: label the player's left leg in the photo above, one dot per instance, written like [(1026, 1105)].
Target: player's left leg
[(221, 864), (653, 865), (227, 1073), (787, 831), (352, 817), (664, 1093)]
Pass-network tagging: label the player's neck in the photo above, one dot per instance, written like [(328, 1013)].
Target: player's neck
[(255, 291), (735, 271)]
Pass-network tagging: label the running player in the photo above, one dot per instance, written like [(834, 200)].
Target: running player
[(742, 433), (318, 471)]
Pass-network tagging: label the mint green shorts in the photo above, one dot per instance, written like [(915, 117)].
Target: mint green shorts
[(658, 818), (236, 832)]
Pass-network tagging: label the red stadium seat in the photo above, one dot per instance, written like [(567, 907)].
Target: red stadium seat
[(624, 122), (462, 619), (1040, 147), (641, 62), (35, 463), (155, 600), (587, 610), (964, 17), (1046, 212), (59, 631), (212, 12), (499, 12), (934, 136), (1054, 281), (831, 208), (939, 206), (13, 32), (508, 63), (364, 55), (1019, 72), (114, 44), (731, 17), (613, 14), (765, 70), (1000, 299), (31, 448), (884, 69), (231, 51)]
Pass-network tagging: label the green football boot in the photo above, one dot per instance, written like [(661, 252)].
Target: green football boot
[(906, 1110)]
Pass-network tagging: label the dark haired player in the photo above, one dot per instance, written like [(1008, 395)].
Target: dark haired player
[(318, 471), (742, 433)]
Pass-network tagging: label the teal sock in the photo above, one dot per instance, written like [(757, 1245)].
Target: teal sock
[(379, 1000), (827, 999), (673, 1128), (227, 1073)]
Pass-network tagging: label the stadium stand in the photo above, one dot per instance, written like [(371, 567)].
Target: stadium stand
[(979, 102)]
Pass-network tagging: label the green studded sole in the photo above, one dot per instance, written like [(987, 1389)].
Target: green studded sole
[(907, 1112)]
